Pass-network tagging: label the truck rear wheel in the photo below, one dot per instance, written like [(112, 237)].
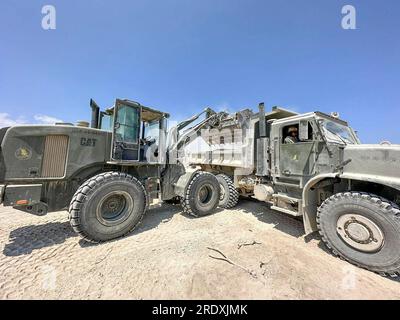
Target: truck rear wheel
[(229, 196), (107, 206), (201, 195), (363, 229)]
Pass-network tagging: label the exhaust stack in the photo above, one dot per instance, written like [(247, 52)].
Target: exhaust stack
[(261, 114), (95, 114)]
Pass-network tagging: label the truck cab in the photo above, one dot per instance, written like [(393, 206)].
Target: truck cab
[(320, 137)]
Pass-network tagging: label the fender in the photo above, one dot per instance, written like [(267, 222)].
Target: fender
[(183, 181), (310, 207), (386, 181)]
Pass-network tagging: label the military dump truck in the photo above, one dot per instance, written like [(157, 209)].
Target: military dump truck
[(105, 175), (311, 166)]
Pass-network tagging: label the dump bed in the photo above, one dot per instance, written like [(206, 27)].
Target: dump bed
[(232, 143)]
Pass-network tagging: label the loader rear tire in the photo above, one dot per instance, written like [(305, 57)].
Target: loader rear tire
[(229, 196), (107, 206), (201, 195), (363, 229)]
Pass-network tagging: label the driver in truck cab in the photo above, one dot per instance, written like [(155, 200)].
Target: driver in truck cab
[(293, 135)]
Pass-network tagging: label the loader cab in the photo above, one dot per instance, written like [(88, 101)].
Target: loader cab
[(138, 132)]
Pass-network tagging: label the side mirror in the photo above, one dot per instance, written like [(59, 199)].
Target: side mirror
[(303, 130)]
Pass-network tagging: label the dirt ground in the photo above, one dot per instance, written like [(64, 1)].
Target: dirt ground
[(167, 257)]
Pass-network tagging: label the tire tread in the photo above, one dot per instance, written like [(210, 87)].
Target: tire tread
[(232, 192)]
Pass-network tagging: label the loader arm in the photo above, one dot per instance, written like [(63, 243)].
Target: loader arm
[(182, 138)]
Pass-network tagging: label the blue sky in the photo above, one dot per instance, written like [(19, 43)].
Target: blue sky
[(182, 55)]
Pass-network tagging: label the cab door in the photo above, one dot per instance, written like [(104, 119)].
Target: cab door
[(126, 131), (296, 160)]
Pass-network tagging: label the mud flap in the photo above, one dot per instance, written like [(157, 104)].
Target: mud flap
[(2, 187), (310, 219)]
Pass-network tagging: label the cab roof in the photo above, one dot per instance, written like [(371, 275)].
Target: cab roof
[(309, 114), (147, 114)]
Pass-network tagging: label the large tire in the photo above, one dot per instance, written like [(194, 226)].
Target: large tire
[(229, 195), (201, 195), (363, 229), (107, 206)]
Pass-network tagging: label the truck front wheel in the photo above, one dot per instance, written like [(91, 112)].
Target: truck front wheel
[(107, 206), (201, 195), (363, 229)]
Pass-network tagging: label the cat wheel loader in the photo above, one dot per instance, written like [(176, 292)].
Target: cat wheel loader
[(107, 174)]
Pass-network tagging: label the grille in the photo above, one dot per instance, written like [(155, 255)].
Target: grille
[(54, 157)]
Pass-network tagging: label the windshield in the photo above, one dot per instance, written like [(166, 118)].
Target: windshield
[(339, 133)]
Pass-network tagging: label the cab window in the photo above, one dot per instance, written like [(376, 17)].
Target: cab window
[(152, 130), (297, 132)]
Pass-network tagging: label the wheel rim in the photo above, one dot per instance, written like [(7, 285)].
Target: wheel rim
[(205, 194), (360, 233), (222, 193), (114, 208)]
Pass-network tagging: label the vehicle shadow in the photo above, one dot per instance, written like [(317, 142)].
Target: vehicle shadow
[(217, 210), (280, 221), (26, 239), (153, 217)]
